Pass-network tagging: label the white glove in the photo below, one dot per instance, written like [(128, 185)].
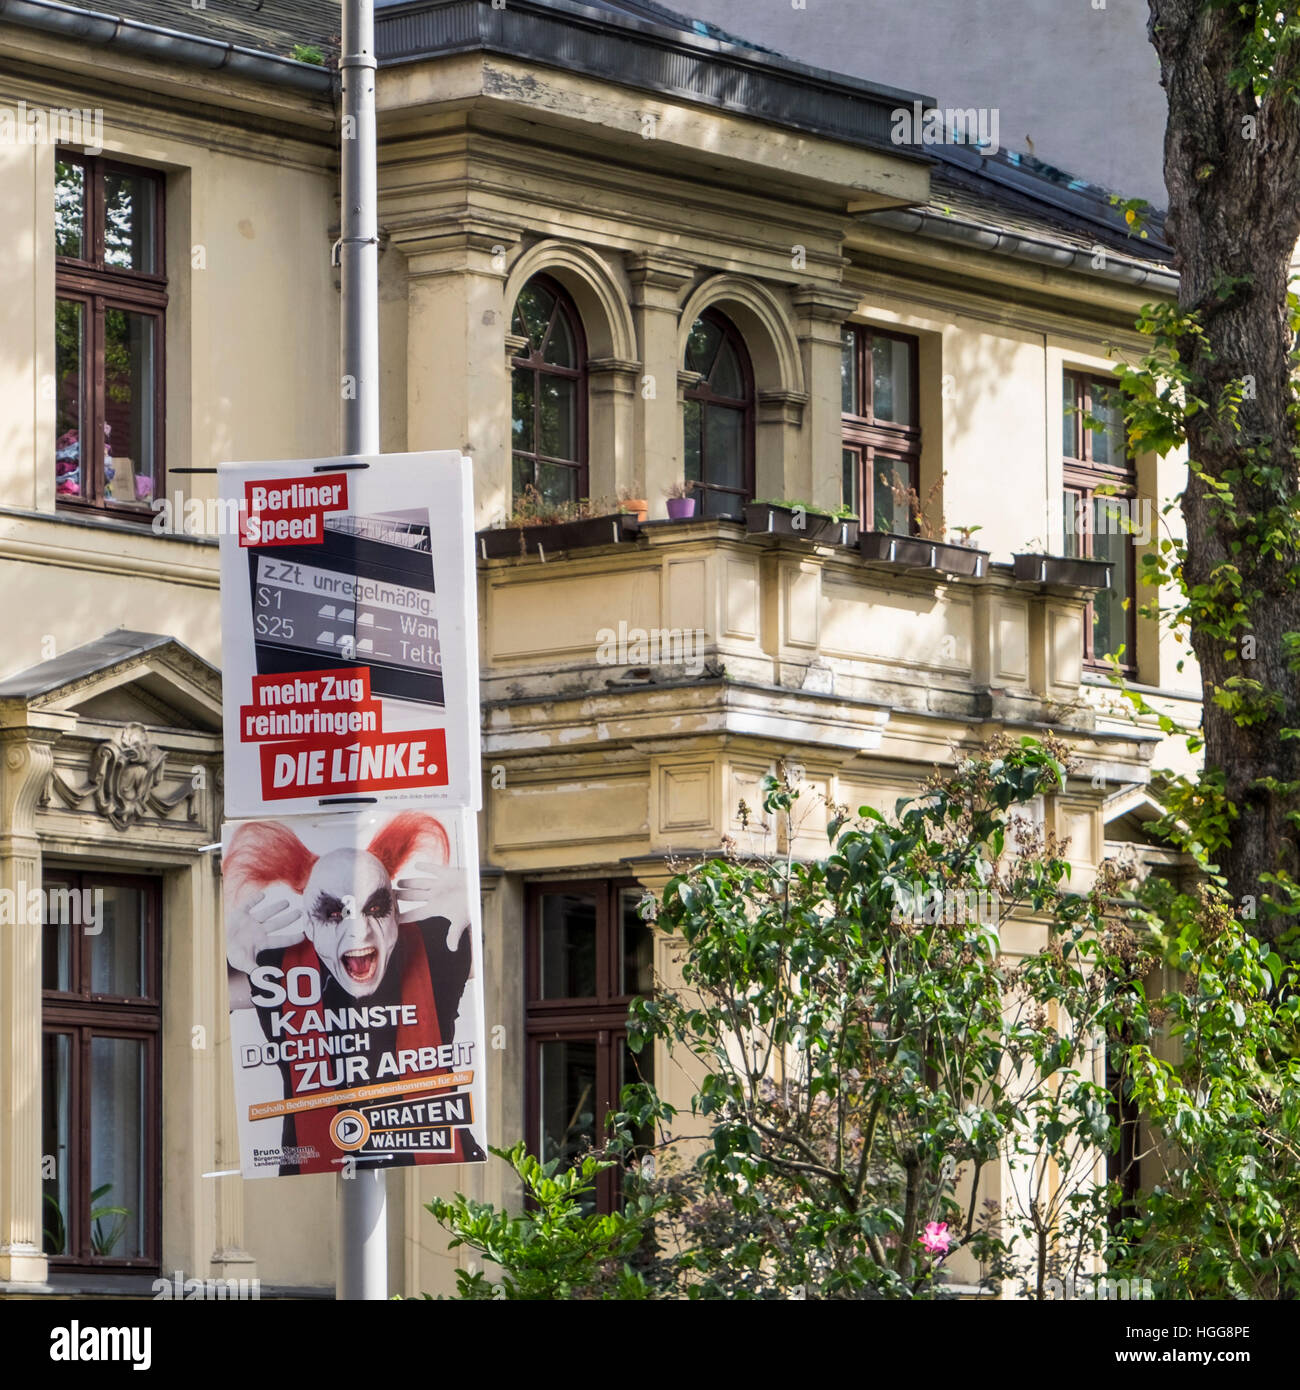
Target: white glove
[(438, 890), (270, 919)]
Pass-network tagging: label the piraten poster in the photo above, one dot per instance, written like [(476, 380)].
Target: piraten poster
[(355, 964), (349, 646)]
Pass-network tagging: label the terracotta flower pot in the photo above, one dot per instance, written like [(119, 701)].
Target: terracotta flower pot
[(637, 507)]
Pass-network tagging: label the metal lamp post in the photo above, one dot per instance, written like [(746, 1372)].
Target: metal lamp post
[(363, 1230)]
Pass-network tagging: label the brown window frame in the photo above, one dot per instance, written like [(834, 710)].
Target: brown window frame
[(84, 1016), (533, 362), (100, 287), (601, 1018), (1081, 476), (884, 440), (700, 391)]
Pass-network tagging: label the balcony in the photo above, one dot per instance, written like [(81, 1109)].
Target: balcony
[(703, 602), (634, 694)]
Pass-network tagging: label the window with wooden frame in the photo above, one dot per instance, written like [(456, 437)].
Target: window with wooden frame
[(719, 417), (1099, 490), (100, 1076), (548, 392), (881, 445), (588, 955), (109, 311)]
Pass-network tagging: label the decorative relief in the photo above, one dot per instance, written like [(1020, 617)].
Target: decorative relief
[(125, 776)]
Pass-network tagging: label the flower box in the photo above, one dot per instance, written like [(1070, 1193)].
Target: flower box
[(1075, 572), (918, 553), (890, 549), (764, 518), (961, 559), (560, 535)]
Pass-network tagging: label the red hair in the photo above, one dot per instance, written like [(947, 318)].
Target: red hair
[(407, 834), (263, 853)]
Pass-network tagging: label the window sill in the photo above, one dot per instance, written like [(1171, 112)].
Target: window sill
[(95, 523), (1095, 678)]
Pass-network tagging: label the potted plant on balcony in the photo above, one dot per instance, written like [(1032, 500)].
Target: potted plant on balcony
[(681, 502), (631, 501), (537, 526), (1074, 571), (928, 548), (802, 520)]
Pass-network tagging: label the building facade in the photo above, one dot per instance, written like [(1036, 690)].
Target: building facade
[(616, 255)]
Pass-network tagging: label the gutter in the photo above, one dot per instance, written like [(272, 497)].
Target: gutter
[(168, 45), (941, 228), (617, 47)]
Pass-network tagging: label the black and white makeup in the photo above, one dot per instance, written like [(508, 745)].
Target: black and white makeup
[(352, 918)]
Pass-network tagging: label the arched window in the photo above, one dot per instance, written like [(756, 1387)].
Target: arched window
[(549, 394), (719, 450)]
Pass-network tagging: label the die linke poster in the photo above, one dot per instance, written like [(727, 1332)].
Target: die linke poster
[(355, 961), (349, 643)]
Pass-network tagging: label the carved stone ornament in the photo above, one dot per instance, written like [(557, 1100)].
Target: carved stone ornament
[(125, 772)]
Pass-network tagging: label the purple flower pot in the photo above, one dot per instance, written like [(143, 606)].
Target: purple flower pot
[(679, 508)]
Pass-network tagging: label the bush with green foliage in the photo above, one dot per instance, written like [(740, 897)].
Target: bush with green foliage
[(558, 1248)]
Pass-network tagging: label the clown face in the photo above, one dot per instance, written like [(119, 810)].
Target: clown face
[(352, 918)]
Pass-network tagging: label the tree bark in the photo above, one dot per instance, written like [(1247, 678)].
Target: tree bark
[(1232, 170)]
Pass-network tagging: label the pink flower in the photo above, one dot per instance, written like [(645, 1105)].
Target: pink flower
[(936, 1239)]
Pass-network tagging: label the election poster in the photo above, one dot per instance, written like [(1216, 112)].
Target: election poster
[(355, 963), (349, 643)]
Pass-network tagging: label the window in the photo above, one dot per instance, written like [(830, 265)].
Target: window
[(549, 394), (110, 299), (881, 451), (719, 415), (101, 1113), (1100, 485), (588, 955)]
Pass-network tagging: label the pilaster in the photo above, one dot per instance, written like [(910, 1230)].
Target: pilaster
[(815, 471), (657, 285), (456, 328), (26, 761)]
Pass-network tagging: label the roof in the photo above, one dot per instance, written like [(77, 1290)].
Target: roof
[(661, 14), (267, 26), (1000, 195), (640, 44), (101, 654)]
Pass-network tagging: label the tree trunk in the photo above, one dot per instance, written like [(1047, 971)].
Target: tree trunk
[(1232, 169)]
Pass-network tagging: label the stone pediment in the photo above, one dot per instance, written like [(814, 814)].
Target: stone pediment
[(125, 730), (121, 678)]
